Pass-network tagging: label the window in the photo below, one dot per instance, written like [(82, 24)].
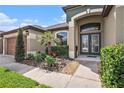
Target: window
[(63, 37), (90, 27)]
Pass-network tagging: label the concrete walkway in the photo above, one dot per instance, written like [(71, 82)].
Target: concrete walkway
[(84, 77)]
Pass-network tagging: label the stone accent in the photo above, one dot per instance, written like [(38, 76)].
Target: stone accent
[(71, 40)]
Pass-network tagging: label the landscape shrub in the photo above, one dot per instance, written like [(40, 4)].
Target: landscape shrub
[(20, 51), (43, 56), (38, 57), (31, 56), (63, 51), (50, 60), (112, 66)]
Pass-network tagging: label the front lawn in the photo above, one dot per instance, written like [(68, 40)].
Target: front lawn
[(11, 79)]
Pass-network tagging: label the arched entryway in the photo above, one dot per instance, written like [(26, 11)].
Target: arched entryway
[(85, 33)]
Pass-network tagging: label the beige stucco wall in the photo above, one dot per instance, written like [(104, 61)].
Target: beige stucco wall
[(33, 43), (1, 45), (12, 34), (110, 28), (120, 24), (114, 26)]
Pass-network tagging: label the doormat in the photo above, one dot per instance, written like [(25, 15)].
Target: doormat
[(92, 56)]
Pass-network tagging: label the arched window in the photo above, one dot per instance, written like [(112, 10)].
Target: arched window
[(90, 27), (62, 36)]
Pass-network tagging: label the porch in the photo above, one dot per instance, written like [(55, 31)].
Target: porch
[(90, 61), (91, 58)]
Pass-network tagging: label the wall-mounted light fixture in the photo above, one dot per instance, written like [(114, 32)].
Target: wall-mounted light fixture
[(27, 32)]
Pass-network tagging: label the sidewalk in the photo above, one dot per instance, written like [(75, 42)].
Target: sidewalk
[(83, 78)]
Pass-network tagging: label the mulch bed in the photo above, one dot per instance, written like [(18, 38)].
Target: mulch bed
[(65, 66), (31, 63), (58, 67)]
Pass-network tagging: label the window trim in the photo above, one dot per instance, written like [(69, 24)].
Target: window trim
[(89, 27)]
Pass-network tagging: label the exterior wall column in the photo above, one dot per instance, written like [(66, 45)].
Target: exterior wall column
[(71, 37), (77, 39), (120, 24), (4, 46)]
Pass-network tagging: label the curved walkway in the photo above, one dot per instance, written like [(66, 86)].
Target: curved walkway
[(84, 77)]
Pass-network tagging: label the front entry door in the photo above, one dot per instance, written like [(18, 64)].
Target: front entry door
[(90, 43)]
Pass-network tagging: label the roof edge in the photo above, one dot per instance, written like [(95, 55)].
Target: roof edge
[(24, 28), (60, 28), (65, 8), (106, 10)]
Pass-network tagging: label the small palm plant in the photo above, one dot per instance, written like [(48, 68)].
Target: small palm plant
[(46, 37), (57, 42), (50, 60)]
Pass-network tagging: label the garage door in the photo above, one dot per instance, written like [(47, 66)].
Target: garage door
[(11, 45)]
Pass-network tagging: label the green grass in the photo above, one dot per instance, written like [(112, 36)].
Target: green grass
[(11, 79)]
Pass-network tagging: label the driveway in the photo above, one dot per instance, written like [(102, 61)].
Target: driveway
[(84, 77), (9, 62)]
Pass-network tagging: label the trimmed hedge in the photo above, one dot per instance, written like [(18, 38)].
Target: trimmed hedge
[(112, 66), (63, 51)]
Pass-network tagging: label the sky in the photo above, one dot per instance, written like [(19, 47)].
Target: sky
[(14, 16)]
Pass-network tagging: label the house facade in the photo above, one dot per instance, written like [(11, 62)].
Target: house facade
[(93, 27), (88, 28), (31, 35)]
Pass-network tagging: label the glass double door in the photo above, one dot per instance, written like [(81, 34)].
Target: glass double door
[(90, 43)]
